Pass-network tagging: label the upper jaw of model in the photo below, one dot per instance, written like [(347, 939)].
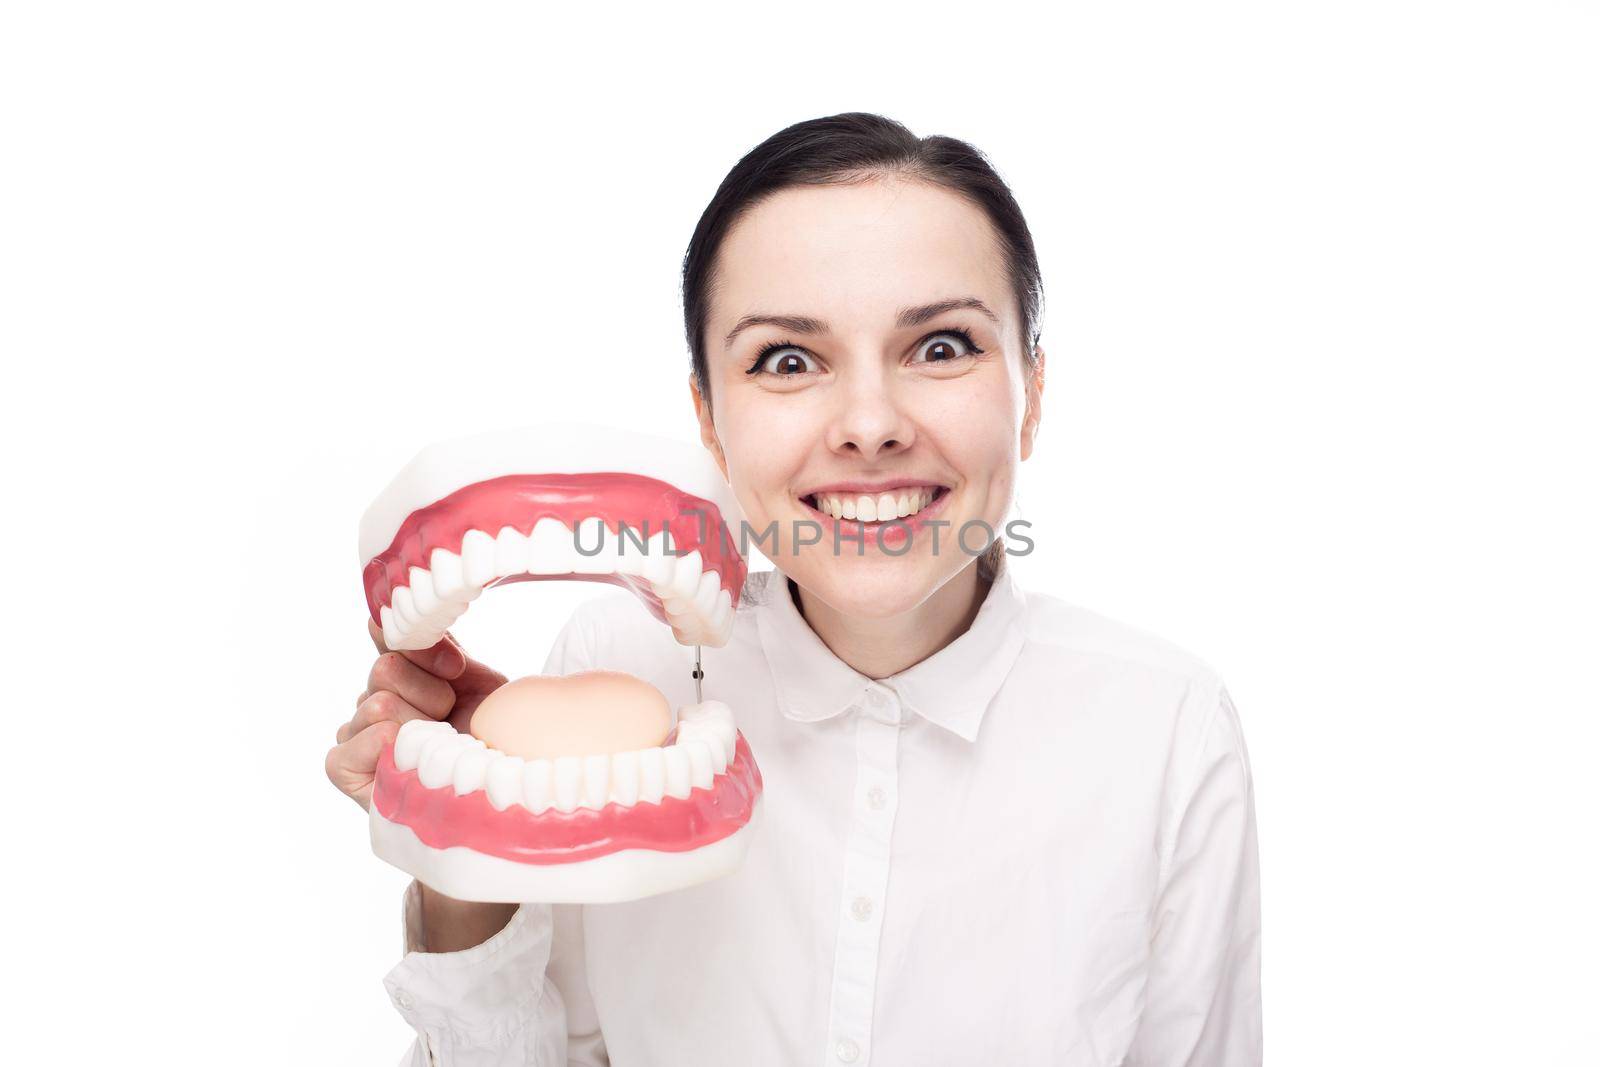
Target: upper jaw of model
[(553, 502)]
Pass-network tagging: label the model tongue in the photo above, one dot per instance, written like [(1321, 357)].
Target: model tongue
[(583, 714)]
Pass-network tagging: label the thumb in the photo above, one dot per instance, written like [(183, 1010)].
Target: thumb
[(351, 766), (444, 658)]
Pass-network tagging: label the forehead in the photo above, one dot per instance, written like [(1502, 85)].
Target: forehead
[(854, 254)]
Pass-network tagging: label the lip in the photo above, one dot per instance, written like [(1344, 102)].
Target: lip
[(881, 486), (893, 532)]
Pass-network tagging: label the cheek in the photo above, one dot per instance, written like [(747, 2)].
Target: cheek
[(764, 449), (977, 430)]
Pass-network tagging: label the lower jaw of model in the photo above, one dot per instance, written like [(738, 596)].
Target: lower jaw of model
[(477, 824), (483, 824)]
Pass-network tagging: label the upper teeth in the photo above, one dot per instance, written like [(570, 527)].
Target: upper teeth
[(879, 507), (699, 610), (443, 757)]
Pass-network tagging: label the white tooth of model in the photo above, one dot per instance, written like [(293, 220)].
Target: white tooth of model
[(568, 782), (423, 599), (550, 548), (504, 781), (592, 532), (510, 552), (440, 618), (477, 558), (412, 739), (449, 611), (676, 761), (596, 781), (472, 766), (440, 613), (712, 722), (625, 778), (537, 785), (404, 613), (685, 577), (652, 775), (630, 548), (705, 595), (392, 634), (449, 580), (704, 734), (699, 762), (438, 765), (710, 736), (435, 740), (658, 563), (722, 615), (426, 637), (689, 725)]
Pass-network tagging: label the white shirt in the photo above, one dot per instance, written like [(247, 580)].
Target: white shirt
[(1037, 846)]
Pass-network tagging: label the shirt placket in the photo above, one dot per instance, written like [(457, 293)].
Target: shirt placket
[(866, 878)]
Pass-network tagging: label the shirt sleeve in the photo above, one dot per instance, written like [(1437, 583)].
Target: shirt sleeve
[(490, 1004), (521, 997), (1203, 994)]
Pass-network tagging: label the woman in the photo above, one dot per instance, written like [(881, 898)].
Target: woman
[(998, 829)]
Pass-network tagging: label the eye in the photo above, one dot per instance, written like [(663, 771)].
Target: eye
[(936, 348), (783, 359)]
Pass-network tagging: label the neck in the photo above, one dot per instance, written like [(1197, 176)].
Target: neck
[(880, 647)]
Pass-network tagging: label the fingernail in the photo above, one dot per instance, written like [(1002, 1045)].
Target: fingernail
[(452, 661)]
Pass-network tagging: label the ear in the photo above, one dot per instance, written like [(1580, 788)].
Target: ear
[(1035, 401), (708, 429)]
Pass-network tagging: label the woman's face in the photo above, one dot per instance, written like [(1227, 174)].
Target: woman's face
[(870, 394)]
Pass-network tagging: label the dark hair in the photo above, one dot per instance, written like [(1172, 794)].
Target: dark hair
[(847, 149)]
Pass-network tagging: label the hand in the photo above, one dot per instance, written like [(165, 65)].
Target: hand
[(441, 682)]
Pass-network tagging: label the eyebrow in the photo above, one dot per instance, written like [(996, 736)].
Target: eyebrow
[(904, 319)]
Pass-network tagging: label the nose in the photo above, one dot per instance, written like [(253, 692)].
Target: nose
[(869, 421)]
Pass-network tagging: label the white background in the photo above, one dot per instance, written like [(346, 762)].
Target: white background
[(1322, 328)]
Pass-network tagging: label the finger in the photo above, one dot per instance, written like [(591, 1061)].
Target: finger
[(351, 765), (472, 688), (417, 687), (444, 659), (382, 706), (476, 678)]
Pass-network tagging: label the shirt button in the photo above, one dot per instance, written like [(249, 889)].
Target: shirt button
[(883, 706), (861, 908), (877, 798), (847, 1050), (403, 999)]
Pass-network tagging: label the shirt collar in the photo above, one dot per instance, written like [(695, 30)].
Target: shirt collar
[(952, 688)]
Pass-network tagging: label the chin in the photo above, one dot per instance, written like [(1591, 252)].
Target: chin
[(869, 588)]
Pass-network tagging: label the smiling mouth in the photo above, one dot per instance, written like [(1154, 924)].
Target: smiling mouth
[(902, 503)]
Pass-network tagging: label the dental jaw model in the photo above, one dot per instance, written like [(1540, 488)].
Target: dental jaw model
[(576, 789)]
